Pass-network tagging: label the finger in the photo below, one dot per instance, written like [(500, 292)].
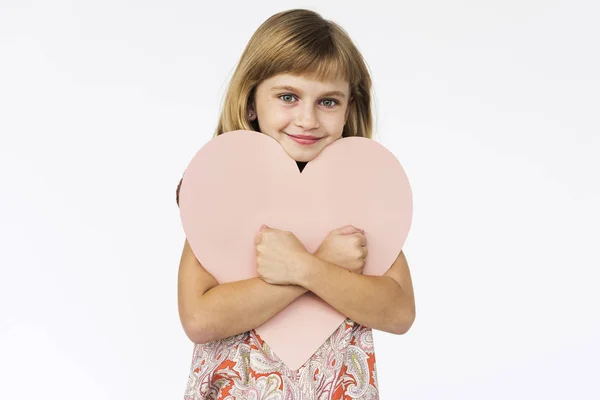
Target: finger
[(257, 238), (365, 251), (347, 230), (362, 239), (357, 229)]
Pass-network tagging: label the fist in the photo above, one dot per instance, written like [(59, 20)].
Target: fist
[(279, 256), (345, 247)]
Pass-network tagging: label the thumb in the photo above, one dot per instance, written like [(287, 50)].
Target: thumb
[(348, 230), (257, 238)]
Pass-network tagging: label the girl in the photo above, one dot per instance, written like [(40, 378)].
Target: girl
[(301, 81)]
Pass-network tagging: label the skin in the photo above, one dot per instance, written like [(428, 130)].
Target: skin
[(305, 108), (304, 111), (282, 259), (286, 270), (381, 302)]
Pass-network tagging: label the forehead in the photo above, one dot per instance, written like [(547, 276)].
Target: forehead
[(306, 83)]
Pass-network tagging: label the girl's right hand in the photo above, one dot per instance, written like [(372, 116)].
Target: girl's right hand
[(345, 247)]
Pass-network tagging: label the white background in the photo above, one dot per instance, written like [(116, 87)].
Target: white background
[(491, 107)]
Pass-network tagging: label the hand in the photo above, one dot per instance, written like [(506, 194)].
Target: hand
[(279, 256), (345, 247)]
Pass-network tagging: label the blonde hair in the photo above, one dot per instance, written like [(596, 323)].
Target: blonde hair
[(298, 42)]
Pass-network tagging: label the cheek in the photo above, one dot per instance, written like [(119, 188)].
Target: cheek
[(275, 116), (334, 119), (335, 124)]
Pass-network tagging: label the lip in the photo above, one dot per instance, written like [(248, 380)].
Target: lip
[(309, 137), (303, 139)]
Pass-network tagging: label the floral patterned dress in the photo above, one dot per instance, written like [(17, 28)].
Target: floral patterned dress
[(243, 367)]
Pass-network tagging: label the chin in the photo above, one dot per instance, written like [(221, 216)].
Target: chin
[(298, 156)]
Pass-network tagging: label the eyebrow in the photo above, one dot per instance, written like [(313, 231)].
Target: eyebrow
[(293, 89)]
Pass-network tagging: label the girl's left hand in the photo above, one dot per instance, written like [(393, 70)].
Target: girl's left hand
[(279, 256)]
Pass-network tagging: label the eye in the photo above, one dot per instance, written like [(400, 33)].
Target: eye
[(286, 95), (332, 100), (335, 102)]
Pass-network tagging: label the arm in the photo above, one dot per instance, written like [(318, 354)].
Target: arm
[(383, 302), (211, 311)]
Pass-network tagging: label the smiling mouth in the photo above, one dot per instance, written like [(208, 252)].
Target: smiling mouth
[(304, 140), (303, 137)]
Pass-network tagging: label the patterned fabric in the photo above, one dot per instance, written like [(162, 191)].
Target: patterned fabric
[(243, 367)]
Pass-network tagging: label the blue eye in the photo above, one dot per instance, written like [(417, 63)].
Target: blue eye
[(291, 95)]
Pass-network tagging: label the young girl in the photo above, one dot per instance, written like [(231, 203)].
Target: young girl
[(301, 81)]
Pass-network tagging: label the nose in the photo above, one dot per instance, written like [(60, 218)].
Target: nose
[(307, 117)]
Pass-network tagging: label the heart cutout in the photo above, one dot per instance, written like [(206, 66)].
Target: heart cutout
[(241, 179)]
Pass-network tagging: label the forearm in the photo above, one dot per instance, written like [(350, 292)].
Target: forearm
[(235, 307), (377, 302)]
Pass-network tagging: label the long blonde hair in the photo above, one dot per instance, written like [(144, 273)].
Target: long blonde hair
[(298, 42)]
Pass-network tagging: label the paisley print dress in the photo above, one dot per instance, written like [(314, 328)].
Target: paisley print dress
[(243, 367)]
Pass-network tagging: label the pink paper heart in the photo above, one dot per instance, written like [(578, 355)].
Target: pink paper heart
[(242, 179)]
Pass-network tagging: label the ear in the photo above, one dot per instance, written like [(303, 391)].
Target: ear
[(250, 113), (251, 110), (250, 101)]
